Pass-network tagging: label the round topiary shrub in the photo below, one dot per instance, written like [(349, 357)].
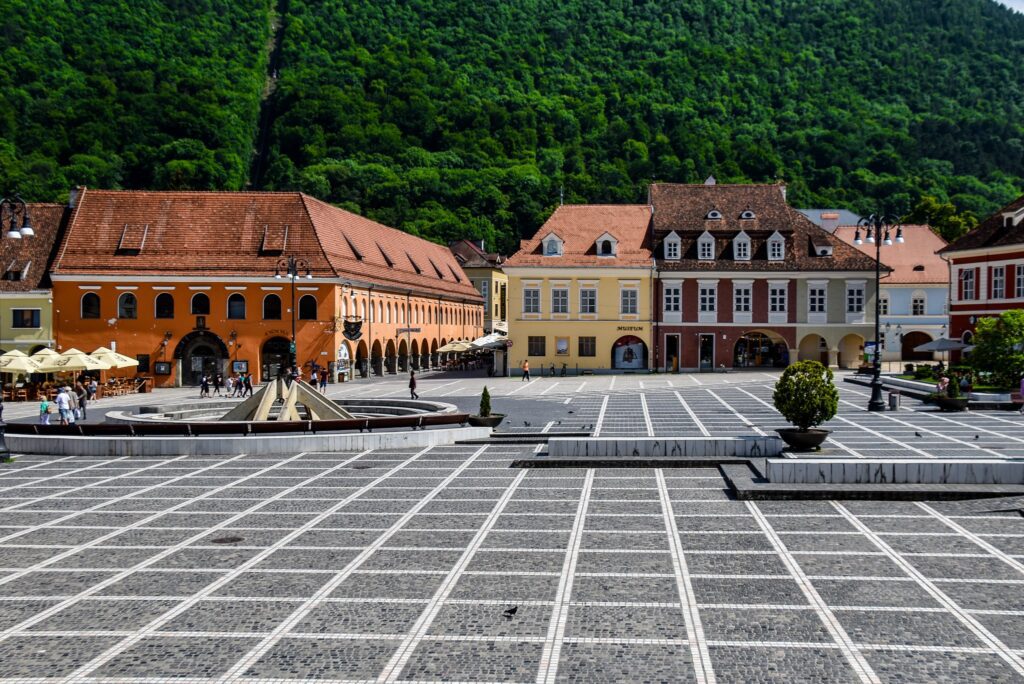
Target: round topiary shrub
[(805, 395)]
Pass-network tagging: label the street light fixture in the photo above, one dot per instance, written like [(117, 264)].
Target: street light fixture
[(293, 269), (878, 231)]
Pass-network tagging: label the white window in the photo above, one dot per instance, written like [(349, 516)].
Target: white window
[(777, 299), (485, 292), (552, 246), (708, 295), (673, 298), (917, 305), (816, 299), (883, 305), (998, 282), (741, 299), (741, 249), (706, 247), (1019, 281), (672, 250), (588, 300), (628, 302), (776, 247), (531, 300), (855, 299), (968, 283), (560, 301)]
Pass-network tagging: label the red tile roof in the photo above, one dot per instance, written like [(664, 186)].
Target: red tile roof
[(914, 261), (246, 233), (470, 255), (579, 226), (31, 256), (992, 232)]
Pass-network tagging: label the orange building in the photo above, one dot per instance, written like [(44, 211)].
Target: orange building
[(185, 282)]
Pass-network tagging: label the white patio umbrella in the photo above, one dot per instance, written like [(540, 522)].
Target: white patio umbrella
[(17, 362), (492, 341), (113, 358), (45, 353), (942, 344), (73, 360), (455, 347)]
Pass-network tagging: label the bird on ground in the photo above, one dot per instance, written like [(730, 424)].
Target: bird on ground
[(526, 423), (572, 412), (917, 434), (976, 437), (510, 612)]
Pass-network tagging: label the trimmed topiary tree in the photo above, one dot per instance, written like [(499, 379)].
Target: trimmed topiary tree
[(805, 395), (485, 403)]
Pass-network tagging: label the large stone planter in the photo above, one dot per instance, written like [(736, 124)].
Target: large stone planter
[(491, 421), (950, 404), (799, 440)]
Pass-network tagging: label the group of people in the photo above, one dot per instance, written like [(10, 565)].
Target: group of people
[(70, 403), (238, 385), (318, 376)]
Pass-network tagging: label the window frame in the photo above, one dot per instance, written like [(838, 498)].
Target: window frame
[(776, 241), (1018, 282), (99, 307), (999, 278), (135, 305), (629, 298), (557, 294), (316, 308), (856, 297), (778, 303), (531, 300), (36, 317), (672, 298), (817, 299), (587, 346), (532, 341), (156, 306), (742, 298), (192, 304), (280, 307), (245, 312), (918, 299), (706, 247), (967, 278), (741, 240), (591, 294), (707, 298)]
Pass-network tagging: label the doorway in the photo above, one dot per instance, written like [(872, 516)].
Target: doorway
[(201, 360), (707, 351), (274, 356), (671, 353)]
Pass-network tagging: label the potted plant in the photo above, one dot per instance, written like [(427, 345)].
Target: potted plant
[(486, 418), (806, 396), (952, 399)]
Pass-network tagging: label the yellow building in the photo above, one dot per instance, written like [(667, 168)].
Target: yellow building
[(484, 270), (26, 310), (580, 291)]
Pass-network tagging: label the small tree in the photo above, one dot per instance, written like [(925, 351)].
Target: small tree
[(485, 403), (805, 395), (999, 347)]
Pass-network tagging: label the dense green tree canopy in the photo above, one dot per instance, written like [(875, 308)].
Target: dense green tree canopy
[(458, 119)]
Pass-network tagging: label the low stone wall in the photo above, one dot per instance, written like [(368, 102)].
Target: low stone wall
[(895, 471), (261, 444), (625, 448)]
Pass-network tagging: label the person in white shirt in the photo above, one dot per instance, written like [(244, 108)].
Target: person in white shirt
[(64, 407)]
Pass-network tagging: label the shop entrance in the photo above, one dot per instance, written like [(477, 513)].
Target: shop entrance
[(274, 357), (629, 353), (707, 351), (671, 353), (757, 350)]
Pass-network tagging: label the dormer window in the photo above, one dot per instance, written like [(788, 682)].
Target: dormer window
[(714, 215), (606, 245), (552, 245), (747, 215), (672, 246), (741, 247), (706, 247), (776, 247), (606, 248)]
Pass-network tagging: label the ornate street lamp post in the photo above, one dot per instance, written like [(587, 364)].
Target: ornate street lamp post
[(13, 214), (293, 268), (878, 229)]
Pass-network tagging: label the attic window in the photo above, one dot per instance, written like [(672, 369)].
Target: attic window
[(919, 267), (741, 247), (415, 266), (356, 252), (607, 248), (133, 238), (776, 247), (457, 277), (747, 215), (714, 215), (552, 246), (706, 247), (384, 254), (275, 239), (672, 244), (436, 269)]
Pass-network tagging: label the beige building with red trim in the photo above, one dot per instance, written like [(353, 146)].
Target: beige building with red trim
[(185, 282)]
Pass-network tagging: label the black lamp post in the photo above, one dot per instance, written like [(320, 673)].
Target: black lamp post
[(878, 231), (14, 214), (293, 268)]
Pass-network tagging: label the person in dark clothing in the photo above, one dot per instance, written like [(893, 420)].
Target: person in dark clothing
[(218, 382), (204, 387), (323, 381), (412, 385), (83, 396), (248, 385)]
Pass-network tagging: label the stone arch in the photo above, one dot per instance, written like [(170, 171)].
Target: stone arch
[(814, 347), (362, 366), (760, 348), (390, 357), (915, 338), (377, 358), (851, 351), (403, 356)]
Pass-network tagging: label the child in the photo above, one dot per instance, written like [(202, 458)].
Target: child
[(44, 411)]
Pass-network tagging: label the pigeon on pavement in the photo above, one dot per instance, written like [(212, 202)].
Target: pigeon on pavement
[(510, 612)]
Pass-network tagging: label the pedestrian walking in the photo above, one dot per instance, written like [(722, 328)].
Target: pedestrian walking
[(526, 370), (44, 411), (93, 388), (218, 382), (248, 385), (323, 381), (412, 385), (204, 386), (229, 386), (82, 395), (64, 407)]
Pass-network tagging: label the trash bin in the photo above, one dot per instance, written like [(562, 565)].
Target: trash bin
[(894, 401)]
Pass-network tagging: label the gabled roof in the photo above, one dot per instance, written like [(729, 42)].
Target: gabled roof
[(919, 249), (32, 255), (992, 232), (470, 255), (246, 233), (579, 226)]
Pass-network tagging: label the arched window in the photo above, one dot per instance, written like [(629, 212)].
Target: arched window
[(344, 308), (165, 305), (307, 308), (271, 308), (127, 306), (90, 305), (387, 313), (606, 248), (200, 304), (362, 309), (236, 307)]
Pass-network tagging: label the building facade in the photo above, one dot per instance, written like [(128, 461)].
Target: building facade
[(26, 311), (580, 291), (485, 272), (744, 280), (986, 270), (185, 282), (914, 296)]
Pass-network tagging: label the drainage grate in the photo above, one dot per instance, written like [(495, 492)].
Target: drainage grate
[(360, 467), (226, 540)]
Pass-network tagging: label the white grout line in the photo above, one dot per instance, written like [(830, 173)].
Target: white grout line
[(1002, 650), (567, 400), (552, 652), (611, 385), (64, 473), (647, 415), (258, 651), (886, 437), (419, 630), (521, 387), (600, 416), (693, 416), (742, 418), (1012, 562), (703, 670), (548, 426), (582, 385), (856, 659), (549, 388)]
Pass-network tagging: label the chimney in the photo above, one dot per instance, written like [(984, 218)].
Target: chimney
[(73, 196), (830, 221), (480, 244), (782, 189)]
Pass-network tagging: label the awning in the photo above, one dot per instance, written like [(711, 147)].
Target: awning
[(492, 341), (941, 345)]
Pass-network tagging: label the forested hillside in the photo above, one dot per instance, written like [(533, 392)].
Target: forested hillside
[(453, 119)]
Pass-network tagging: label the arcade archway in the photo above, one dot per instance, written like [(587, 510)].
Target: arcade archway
[(274, 357), (915, 339), (760, 349), (199, 353), (629, 353)]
